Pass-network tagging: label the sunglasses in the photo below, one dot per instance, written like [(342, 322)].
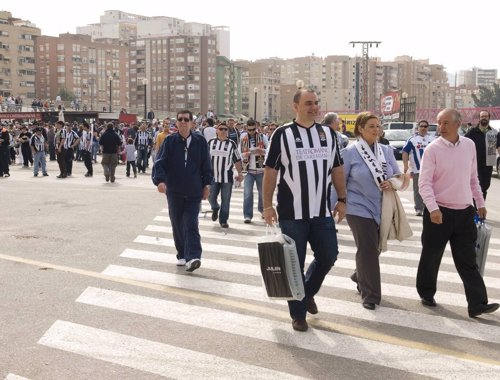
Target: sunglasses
[(184, 119), (423, 126), (251, 129), (222, 129)]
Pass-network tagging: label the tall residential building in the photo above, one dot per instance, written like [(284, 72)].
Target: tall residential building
[(95, 73), (128, 26), (17, 57), (230, 79), (484, 77), (179, 72)]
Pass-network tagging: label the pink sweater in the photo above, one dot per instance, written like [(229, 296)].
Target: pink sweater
[(448, 175)]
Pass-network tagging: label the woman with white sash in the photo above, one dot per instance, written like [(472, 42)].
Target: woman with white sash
[(367, 166)]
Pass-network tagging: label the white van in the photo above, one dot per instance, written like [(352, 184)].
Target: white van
[(400, 125)]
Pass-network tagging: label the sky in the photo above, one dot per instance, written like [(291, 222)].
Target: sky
[(458, 37)]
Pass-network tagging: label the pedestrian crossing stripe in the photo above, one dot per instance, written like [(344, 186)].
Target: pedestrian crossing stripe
[(397, 270), (338, 306), (149, 356), (413, 360), (11, 376)]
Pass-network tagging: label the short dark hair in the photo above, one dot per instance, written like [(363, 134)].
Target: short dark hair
[(251, 122), (299, 92), (423, 121), (184, 112), (110, 125)]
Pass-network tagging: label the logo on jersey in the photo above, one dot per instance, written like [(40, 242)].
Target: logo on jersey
[(322, 136), (298, 140)]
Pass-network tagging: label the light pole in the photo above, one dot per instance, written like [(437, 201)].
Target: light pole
[(255, 91), (404, 95), (145, 83), (110, 78)]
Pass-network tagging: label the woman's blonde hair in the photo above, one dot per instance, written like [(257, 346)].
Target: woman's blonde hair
[(361, 121)]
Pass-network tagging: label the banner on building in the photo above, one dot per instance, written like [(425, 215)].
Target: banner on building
[(390, 103)]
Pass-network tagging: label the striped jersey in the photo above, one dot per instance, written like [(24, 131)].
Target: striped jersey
[(223, 154), (143, 139), (305, 158), (69, 138)]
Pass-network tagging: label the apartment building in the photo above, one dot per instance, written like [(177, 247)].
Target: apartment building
[(17, 57), (231, 79), (93, 72), (169, 74)]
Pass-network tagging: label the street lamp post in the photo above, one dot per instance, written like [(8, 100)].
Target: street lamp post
[(110, 78), (145, 83), (255, 91), (404, 95)]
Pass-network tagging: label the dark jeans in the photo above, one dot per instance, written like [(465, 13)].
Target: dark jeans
[(321, 235), (69, 160), (134, 168), (87, 159), (27, 154), (142, 158), (4, 160), (225, 190), (183, 212), (61, 160), (459, 229), (484, 176)]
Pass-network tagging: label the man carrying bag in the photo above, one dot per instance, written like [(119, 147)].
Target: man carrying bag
[(305, 156)]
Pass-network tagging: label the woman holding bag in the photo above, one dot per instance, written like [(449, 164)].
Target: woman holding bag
[(368, 166)]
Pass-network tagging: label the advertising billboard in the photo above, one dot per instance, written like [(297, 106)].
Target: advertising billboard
[(390, 103)]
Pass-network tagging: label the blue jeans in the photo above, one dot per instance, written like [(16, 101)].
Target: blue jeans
[(183, 212), (248, 193), (225, 190), (142, 158), (321, 235), (39, 161)]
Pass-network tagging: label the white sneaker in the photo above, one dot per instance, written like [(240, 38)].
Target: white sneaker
[(181, 262), (192, 265)]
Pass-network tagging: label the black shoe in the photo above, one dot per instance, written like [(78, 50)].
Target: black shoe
[(488, 308), (369, 305), (88, 175), (192, 265), (224, 225), (35, 175), (45, 174), (300, 325), (107, 178), (61, 176), (312, 308), (354, 278), (112, 179), (428, 301), (215, 214)]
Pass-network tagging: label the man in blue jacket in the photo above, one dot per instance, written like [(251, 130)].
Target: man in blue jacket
[(183, 172)]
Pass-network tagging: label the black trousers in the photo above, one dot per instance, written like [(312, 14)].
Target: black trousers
[(459, 229), (87, 159), (484, 175)]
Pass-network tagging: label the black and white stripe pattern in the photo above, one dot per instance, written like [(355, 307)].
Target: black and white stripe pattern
[(69, 138), (38, 142), (305, 158), (143, 139), (224, 154)]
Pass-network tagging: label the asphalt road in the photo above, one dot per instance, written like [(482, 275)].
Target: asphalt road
[(88, 290)]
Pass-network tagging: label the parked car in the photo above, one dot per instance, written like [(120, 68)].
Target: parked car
[(410, 125), (397, 139)]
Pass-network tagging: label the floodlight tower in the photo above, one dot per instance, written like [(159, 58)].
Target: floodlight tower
[(364, 88)]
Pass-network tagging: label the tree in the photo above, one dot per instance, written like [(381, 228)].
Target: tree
[(488, 96), (66, 95)]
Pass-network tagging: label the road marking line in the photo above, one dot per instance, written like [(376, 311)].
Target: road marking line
[(414, 360), (149, 356)]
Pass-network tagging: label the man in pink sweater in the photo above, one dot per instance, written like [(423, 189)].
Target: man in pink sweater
[(448, 184)]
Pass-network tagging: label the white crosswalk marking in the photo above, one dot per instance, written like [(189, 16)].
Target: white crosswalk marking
[(157, 358), (11, 376), (399, 336)]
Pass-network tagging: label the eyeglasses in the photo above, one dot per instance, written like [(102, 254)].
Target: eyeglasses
[(222, 129), (423, 126), (250, 129), (184, 119)]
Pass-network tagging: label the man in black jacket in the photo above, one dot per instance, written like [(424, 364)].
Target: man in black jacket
[(183, 172), (110, 143), (487, 141)]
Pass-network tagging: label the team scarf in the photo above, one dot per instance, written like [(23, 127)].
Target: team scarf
[(374, 160)]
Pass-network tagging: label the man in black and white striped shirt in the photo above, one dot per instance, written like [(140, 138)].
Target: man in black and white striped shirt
[(143, 142), (224, 155), (69, 141), (306, 157)]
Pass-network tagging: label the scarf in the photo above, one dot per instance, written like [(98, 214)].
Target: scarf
[(374, 160)]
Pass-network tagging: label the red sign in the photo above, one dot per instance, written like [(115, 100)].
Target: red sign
[(20, 115), (390, 103)]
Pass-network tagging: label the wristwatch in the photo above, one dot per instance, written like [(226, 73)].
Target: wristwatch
[(343, 200)]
